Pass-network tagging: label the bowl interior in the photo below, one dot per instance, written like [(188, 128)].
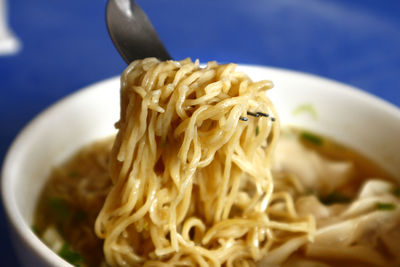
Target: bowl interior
[(347, 115)]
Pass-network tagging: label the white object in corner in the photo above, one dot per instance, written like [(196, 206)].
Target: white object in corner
[(9, 44)]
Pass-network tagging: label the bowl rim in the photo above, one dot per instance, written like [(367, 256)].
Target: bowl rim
[(15, 218)]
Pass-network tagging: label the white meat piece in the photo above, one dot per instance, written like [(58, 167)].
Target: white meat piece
[(375, 187), (372, 192), (363, 229), (313, 171), (53, 238), (311, 205)]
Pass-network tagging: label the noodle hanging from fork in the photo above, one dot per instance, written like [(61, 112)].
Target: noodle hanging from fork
[(190, 167)]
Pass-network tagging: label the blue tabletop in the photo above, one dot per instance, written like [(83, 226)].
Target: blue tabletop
[(65, 47)]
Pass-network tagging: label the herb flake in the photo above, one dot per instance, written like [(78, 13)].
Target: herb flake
[(396, 191), (35, 230), (312, 138), (70, 255), (385, 206), (73, 174), (80, 216), (164, 143), (306, 108), (59, 208), (334, 197)]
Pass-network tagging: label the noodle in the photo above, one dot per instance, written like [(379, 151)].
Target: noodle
[(191, 170), (190, 181)]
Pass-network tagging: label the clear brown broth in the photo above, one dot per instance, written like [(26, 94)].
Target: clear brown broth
[(78, 209)]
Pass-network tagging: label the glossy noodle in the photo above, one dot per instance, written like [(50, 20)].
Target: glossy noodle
[(191, 178), (199, 174)]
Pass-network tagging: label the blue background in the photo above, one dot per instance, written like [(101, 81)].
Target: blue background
[(65, 46)]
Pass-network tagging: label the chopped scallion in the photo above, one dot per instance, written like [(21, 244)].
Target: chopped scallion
[(306, 108), (385, 206), (59, 208), (70, 255), (73, 174), (309, 191), (312, 138), (257, 130), (335, 197), (80, 215), (34, 229), (396, 191), (164, 143)]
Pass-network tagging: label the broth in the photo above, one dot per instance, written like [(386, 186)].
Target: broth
[(76, 190)]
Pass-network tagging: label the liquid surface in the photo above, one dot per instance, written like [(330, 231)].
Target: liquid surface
[(325, 179)]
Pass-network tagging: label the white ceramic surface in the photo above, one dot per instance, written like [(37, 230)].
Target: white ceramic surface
[(344, 113), (9, 44)]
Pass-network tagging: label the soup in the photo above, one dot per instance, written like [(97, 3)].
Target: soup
[(76, 190), (199, 175)]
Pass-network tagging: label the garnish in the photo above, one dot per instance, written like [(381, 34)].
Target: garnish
[(257, 130), (306, 108), (396, 191), (35, 230), (80, 215), (334, 197), (309, 191), (59, 207), (164, 143), (312, 138), (73, 174), (385, 206), (70, 255)]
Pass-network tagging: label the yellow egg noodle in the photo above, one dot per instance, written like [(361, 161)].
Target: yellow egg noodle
[(191, 171)]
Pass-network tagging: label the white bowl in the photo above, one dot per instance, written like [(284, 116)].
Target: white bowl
[(348, 115)]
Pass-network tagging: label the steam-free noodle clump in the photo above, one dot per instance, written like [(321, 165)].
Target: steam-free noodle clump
[(191, 174), (190, 182)]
